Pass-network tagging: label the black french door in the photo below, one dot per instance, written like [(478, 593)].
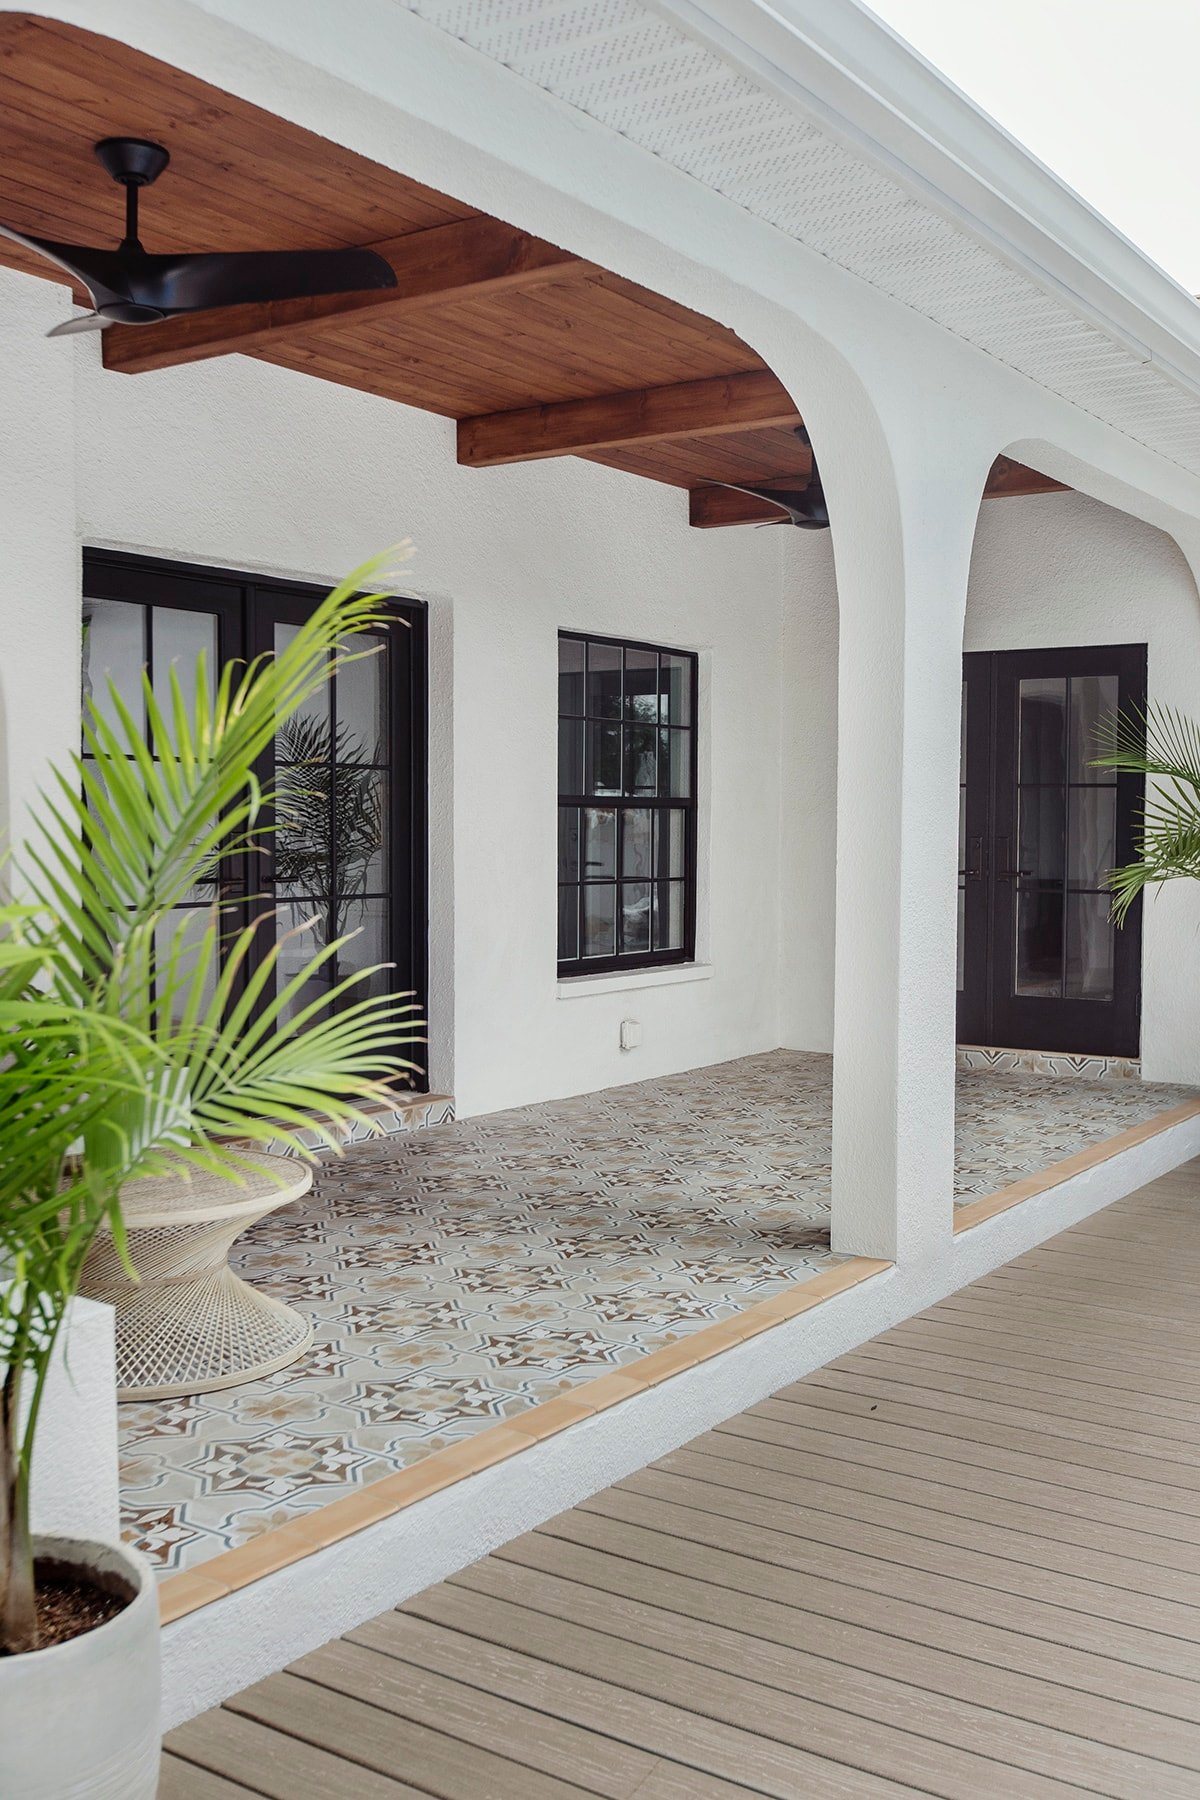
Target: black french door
[(1041, 966), (348, 860)]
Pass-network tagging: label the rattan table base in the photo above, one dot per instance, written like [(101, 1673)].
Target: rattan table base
[(189, 1325)]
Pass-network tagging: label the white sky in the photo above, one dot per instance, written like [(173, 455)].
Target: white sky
[(1104, 92)]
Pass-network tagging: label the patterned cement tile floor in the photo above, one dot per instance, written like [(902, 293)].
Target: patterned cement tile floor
[(465, 1273)]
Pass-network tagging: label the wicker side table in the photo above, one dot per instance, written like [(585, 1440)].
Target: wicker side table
[(190, 1324)]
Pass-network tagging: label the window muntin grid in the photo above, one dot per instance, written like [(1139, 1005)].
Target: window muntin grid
[(627, 808)]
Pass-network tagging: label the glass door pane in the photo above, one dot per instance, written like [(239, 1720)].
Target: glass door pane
[(1060, 974), (333, 802), (1066, 839)]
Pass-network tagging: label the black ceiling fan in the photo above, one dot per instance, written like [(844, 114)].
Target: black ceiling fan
[(129, 286), (805, 507)]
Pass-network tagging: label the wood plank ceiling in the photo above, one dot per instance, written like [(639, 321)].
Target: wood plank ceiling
[(533, 351)]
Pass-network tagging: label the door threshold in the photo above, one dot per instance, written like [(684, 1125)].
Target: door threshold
[(1058, 1063)]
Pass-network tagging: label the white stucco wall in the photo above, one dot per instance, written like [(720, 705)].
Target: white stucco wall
[(1051, 570), (240, 464), (39, 564)]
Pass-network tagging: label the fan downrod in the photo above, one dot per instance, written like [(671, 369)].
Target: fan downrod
[(134, 162)]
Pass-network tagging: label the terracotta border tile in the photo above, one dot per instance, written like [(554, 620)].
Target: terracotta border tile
[(187, 1592), (975, 1212)]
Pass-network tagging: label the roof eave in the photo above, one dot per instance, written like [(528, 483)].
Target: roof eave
[(842, 66)]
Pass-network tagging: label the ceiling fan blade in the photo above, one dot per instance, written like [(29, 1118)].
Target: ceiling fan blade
[(81, 322), (182, 284), (101, 272), (804, 506)]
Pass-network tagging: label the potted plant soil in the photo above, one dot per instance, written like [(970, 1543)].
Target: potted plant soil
[(134, 1046)]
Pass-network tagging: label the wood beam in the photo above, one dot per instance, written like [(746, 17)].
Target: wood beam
[(709, 507), (1012, 479), (458, 261), (644, 416), (713, 506)]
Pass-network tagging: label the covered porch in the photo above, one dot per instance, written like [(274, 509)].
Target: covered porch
[(601, 367), (522, 1269)]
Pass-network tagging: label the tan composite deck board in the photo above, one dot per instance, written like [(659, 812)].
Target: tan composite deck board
[(790, 1720), (1077, 1320), (1105, 1255), (1144, 1233), (374, 1739), (181, 1780), (978, 1340), (477, 1717), (1053, 1606), (945, 1507), (827, 1642), (1137, 1273), (1113, 1256), (979, 1476), (906, 1620), (1121, 1403), (1034, 1550), (273, 1763), (1047, 1414), (963, 1560), (1153, 1306), (1070, 1462), (681, 1731), (884, 1700)]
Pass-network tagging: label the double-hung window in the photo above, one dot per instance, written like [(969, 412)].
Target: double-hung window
[(626, 804)]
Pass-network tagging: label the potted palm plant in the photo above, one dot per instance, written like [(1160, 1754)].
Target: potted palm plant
[(126, 1056)]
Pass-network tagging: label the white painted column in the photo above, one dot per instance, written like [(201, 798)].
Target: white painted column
[(903, 498), (76, 1484)]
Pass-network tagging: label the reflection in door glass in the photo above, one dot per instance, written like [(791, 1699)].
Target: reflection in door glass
[(1089, 969), (179, 639), (1066, 840), (331, 814), (1039, 941), (1093, 707), (962, 841), (114, 651), (1042, 736)]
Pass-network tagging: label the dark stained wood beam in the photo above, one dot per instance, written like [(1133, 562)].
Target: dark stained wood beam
[(714, 506), (457, 261), (646, 415), (1013, 479)]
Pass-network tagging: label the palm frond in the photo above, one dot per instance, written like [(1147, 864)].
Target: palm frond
[(1163, 745)]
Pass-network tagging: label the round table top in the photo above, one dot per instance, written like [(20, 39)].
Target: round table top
[(192, 1196)]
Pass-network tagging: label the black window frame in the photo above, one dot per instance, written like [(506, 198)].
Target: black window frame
[(246, 605), (626, 961)]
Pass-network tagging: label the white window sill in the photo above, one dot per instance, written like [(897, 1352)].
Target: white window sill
[(577, 987)]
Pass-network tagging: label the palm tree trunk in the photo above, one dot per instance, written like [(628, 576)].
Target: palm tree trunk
[(18, 1605)]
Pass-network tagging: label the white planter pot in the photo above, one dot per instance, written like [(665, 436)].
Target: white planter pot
[(80, 1721)]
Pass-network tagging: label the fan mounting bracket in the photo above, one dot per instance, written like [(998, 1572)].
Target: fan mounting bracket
[(134, 162)]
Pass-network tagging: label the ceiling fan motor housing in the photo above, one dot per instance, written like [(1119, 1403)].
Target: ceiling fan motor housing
[(135, 162)]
